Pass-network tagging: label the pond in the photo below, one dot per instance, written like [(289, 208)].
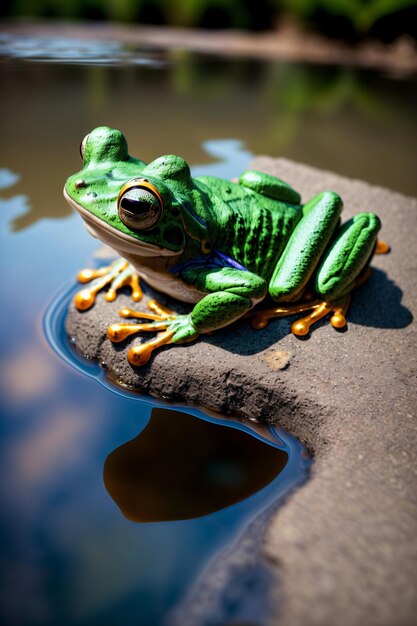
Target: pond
[(77, 543)]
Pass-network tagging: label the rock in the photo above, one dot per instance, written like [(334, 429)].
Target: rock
[(344, 544)]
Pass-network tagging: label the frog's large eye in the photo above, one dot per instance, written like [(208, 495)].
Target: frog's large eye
[(82, 145), (139, 205)]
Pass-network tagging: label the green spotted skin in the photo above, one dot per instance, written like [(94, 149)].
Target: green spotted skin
[(252, 229), (306, 246), (347, 256), (222, 245)]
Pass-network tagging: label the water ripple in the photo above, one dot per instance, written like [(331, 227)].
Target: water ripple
[(79, 51)]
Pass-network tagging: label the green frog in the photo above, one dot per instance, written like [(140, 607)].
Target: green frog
[(223, 246)]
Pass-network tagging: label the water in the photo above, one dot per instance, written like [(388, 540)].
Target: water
[(115, 501), (181, 467), (69, 546), (206, 477)]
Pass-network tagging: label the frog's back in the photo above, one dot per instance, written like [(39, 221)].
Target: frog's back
[(252, 228)]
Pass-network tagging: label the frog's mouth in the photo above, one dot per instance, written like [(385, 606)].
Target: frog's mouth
[(124, 244)]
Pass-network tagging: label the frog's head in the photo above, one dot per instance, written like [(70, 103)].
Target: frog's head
[(133, 207)]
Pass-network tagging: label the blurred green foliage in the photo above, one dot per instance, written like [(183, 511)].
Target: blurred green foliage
[(346, 18), (355, 16)]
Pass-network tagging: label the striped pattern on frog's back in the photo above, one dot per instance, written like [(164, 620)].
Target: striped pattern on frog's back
[(251, 228)]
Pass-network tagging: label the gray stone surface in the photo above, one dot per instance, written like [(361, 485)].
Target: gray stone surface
[(344, 545)]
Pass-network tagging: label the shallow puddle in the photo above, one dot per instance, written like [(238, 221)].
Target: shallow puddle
[(182, 467), (191, 482)]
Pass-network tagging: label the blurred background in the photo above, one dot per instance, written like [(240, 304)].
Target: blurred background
[(351, 19)]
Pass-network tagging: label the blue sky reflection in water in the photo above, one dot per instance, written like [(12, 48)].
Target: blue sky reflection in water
[(66, 547)]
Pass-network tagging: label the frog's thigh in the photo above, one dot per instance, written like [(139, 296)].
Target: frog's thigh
[(347, 256), (305, 247), (231, 293)]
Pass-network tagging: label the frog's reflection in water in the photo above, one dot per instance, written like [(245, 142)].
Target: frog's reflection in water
[(183, 467)]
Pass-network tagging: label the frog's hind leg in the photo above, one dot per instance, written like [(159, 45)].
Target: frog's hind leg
[(348, 256), (344, 267), (382, 247), (301, 327), (119, 274), (305, 247)]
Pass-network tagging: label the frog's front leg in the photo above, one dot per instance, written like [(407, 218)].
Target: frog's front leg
[(119, 274), (230, 294), (338, 266)]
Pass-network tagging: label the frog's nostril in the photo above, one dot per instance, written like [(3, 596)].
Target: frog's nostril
[(80, 183)]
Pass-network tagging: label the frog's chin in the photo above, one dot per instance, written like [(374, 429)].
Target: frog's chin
[(126, 245)]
